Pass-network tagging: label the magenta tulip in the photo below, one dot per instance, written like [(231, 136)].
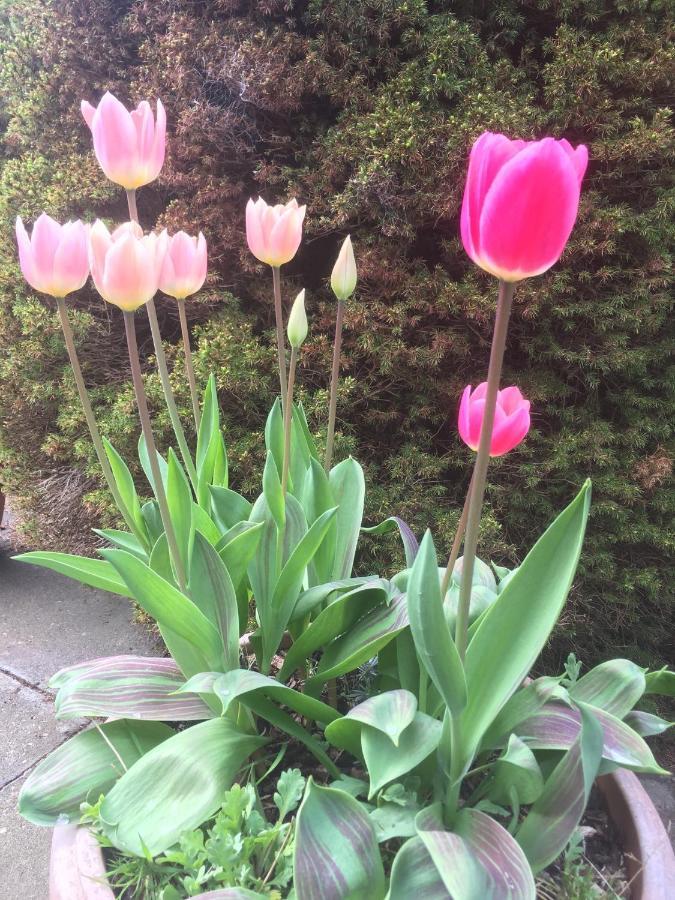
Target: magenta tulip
[(128, 145), (54, 258), (512, 418), (184, 269), (274, 232), (126, 264), (520, 203)]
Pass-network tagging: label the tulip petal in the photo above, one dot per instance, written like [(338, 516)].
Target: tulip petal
[(510, 432), (71, 263), (87, 111), (100, 242), (115, 141), (254, 234), (128, 276)]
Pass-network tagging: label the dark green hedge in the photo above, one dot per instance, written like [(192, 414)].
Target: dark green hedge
[(366, 111)]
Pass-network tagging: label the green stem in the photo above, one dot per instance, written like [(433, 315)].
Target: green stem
[(91, 422), (482, 459), (163, 369), (189, 368), (288, 418), (451, 804), (146, 426), (456, 544), (334, 378), (281, 343)]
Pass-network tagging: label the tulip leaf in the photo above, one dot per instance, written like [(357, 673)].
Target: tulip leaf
[(435, 647), (336, 853), (349, 489), (552, 819), (212, 591), (521, 619), (390, 713), (175, 787), (525, 703), (386, 761), (86, 766), (414, 874), (274, 434), (646, 724), (210, 448), (394, 523), (144, 458), (204, 524), (229, 507), (660, 682), (317, 497), (123, 540), (179, 501), (125, 486), (516, 769), (96, 573), (615, 686)]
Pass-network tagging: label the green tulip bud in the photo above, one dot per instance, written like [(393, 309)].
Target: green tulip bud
[(343, 277), (297, 322)]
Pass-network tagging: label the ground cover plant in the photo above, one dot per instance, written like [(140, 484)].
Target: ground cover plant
[(459, 775), (364, 112)]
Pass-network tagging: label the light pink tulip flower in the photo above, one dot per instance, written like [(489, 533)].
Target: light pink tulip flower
[(512, 418), (126, 264), (184, 269), (274, 232), (520, 203), (54, 258), (128, 145)]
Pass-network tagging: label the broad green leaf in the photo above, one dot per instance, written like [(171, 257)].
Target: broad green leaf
[(272, 491), (394, 523), (144, 458), (208, 443), (390, 713), (554, 816), (317, 498), (212, 591), (300, 457), (435, 647), (349, 489), (274, 434), (160, 560), (97, 573), (202, 522), (363, 640), (336, 854), (516, 769), (229, 507), (300, 419), (556, 727), (173, 611), (125, 486), (646, 724), (233, 893), (126, 687), (153, 521), (179, 501), (237, 548), (334, 620), (478, 859), (317, 595), (85, 767), (414, 874), (124, 540), (386, 761), (661, 682), (525, 703), (391, 820), (615, 686), (521, 620), (175, 787)]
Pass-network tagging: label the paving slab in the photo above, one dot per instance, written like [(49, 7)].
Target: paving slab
[(24, 852)]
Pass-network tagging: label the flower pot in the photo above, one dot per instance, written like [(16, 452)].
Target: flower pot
[(77, 868)]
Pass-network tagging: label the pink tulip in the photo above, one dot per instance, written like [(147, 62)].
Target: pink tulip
[(126, 264), (128, 145), (520, 203), (184, 268), (54, 259), (512, 418), (274, 232)]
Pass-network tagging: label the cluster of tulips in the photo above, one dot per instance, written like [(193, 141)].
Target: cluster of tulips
[(454, 645)]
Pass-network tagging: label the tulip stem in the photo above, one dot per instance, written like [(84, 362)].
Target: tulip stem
[(189, 368), (456, 544), (281, 344), (482, 459), (288, 418), (334, 378), (146, 427), (91, 422), (131, 203)]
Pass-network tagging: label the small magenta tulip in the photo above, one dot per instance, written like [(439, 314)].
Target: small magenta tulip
[(274, 232), (184, 269), (512, 418), (128, 145), (54, 258), (126, 264), (520, 203)]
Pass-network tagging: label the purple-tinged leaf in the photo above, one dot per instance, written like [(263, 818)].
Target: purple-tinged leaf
[(478, 859), (126, 687), (556, 727), (232, 893), (386, 762), (410, 543), (389, 713), (336, 852), (516, 769), (554, 816), (414, 875), (646, 724), (525, 703), (615, 686)]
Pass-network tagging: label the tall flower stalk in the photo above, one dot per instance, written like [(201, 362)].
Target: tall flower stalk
[(281, 343), (189, 367)]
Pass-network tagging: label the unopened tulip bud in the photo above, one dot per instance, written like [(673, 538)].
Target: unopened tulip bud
[(54, 258), (511, 424), (126, 264), (297, 322), (274, 232), (128, 145), (343, 277), (184, 269)]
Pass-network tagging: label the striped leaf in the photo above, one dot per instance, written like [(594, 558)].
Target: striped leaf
[(646, 724), (97, 573), (394, 523), (175, 787), (229, 507), (86, 766), (660, 682), (212, 591), (516, 770), (414, 874), (386, 761), (121, 687), (317, 497), (336, 853), (390, 713), (615, 686), (525, 703), (554, 816), (349, 489)]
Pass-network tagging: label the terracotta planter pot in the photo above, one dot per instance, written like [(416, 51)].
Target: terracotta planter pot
[(77, 869)]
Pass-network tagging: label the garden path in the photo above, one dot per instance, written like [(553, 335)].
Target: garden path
[(46, 622)]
